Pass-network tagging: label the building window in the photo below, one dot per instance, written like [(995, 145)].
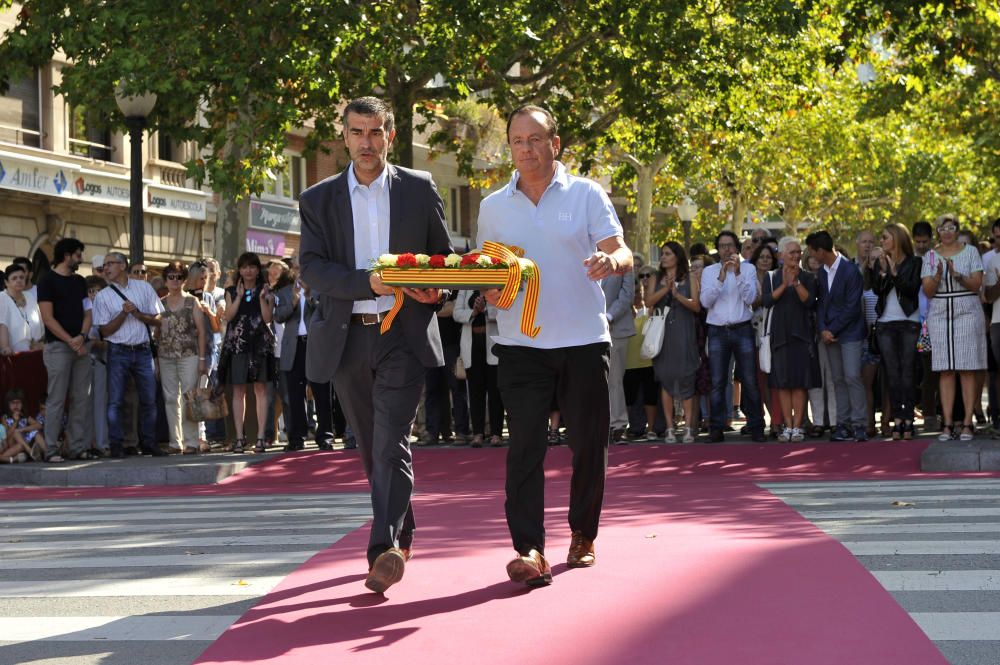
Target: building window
[(89, 135), (20, 115), (288, 182), (167, 150), (450, 197)]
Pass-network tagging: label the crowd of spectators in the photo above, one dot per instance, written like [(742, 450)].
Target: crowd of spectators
[(856, 348)]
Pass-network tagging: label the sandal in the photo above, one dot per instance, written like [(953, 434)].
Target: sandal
[(908, 431), (238, 445), (477, 441), (261, 447), (204, 447), (947, 433), (968, 433), (496, 441), (54, 459), (553, 437)]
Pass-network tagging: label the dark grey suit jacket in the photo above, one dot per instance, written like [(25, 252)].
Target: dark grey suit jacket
[(286, 311), (326, 254)]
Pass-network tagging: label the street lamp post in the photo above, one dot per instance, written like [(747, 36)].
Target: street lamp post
[(135, 109), (686, 210)]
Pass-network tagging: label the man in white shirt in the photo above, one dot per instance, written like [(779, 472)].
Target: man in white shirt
[(568, 226), (125, 313), (728, 290), (370, 209)]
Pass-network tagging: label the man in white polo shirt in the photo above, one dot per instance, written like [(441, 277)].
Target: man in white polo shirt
[(568, 226), (125, 313)]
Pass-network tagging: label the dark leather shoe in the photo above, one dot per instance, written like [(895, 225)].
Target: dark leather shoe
[(131, 451), (407, 553), (531, 569), (155, 451), (758, 436), (716, 436), (326, 445), (581, 552), (387, 570)]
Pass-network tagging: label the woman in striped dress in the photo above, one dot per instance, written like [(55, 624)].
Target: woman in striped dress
[(952, 274)]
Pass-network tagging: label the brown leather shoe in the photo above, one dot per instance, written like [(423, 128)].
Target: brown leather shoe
[(531, 569), (387, 570), (581, 552), (407, 553)]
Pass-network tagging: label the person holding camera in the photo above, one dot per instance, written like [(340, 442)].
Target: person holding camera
[(248, 349)]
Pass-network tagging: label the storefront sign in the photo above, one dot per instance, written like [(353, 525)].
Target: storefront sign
[(274, 217), (102, 188), (270, 244), (35, 176), (176, 202)]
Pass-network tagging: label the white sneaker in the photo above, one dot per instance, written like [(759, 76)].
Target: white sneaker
[(650, 435), (688, 435), (797, 434), (786, 435), (670, 437)]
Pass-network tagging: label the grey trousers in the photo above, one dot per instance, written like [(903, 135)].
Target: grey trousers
[(616, 384), (100, 396), (845, 369), (379, 382), (70, 376)]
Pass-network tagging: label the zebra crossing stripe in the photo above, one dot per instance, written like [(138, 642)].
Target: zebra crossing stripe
[(954, 626), (939, 580), (114, 628), (149, 586)]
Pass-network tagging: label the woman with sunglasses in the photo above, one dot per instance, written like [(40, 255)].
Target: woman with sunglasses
[(952, 275), (182, 355), (248, 347)]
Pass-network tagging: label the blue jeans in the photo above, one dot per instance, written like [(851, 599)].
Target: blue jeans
[(123, 361), (723, 344)]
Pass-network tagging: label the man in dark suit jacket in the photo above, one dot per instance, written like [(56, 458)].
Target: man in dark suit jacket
[(373, 208), (294, 306), (840, 320)]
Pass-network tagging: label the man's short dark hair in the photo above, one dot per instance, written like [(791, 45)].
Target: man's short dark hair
[(550, 121), (923, 229), (64, 247), (24, 261), (996, 224), (371, 106), (723, 234), (820, 240), (698, 249)]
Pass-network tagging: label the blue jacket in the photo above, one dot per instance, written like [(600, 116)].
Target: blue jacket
[(841, 309)]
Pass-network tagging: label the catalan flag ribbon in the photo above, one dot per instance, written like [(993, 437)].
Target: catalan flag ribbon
[(461, 277), (509, 293)]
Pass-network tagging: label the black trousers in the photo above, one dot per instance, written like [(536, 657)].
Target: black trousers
[(445, 399), (482, 380), (897, 343), (379, 382), (296, 420), (577, 377)]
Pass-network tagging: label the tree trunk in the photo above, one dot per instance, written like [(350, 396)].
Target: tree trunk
[(232, 220), (639, 242), (739, 204), (402, 108)]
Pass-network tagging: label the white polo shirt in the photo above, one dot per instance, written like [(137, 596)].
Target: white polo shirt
[(108, 304), (573, 215)]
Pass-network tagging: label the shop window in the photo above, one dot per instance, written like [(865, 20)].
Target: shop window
[(20, 115), (89, 135), (168, 150)]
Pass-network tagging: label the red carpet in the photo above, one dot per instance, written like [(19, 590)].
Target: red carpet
[(703, 572), (696, 564)]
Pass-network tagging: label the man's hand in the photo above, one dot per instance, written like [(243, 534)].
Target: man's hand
[(600, 265), (492, 296), (128, 307), (378, 286), (736, 260), (426, 296), (480, 305), (827, 337)]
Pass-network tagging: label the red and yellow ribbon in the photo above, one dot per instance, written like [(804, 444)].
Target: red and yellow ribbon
[(396, 306), (509, 293), (510, 285)]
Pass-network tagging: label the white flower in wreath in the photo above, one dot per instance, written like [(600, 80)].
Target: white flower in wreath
[(423, 260), (387, 260), (484, 261), (453, 260)]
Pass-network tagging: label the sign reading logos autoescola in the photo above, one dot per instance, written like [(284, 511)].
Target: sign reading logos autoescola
[(102, 188), (176, 202)]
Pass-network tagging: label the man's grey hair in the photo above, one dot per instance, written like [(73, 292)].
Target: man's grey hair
[(118, 255), (371, 106)]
